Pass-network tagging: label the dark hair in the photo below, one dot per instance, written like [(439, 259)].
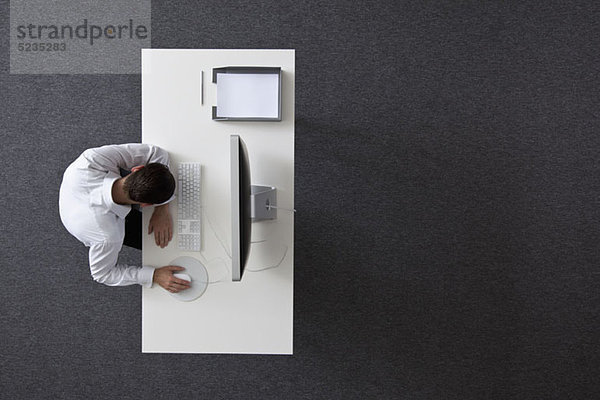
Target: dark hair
[(153, 184)]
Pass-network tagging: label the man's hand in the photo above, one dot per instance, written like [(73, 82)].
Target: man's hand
[(164, 277), (162, 225)]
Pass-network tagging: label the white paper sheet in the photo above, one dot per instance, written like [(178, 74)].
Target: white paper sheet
[(248, 95)]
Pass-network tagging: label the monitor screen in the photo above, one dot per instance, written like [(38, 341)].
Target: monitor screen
[(240, 207)]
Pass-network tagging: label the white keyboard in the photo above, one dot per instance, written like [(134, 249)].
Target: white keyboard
[(189, 208)]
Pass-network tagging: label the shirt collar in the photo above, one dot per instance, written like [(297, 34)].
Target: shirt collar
[(107, 184)]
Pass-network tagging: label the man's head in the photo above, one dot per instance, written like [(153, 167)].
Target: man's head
[(150, 184)]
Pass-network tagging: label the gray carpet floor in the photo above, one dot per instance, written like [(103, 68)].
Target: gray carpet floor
[(452, 255)]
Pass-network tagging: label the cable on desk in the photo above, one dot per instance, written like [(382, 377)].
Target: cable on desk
[(272, 266), (214, 232), (227, 273)]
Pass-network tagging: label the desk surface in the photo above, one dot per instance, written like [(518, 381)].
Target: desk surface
[(256, 314)]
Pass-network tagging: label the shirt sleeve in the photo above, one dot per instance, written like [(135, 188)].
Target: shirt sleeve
[(104, 268), (125, 156)]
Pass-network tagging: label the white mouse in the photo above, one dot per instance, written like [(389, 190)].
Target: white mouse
[(195, 273), (183, 276)]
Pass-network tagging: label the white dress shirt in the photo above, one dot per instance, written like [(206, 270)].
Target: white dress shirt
[(89, 212)]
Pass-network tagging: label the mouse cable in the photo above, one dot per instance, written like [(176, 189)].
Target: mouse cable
[(216, 235), (214, 232), (207, 263), (272, 266), (224, 277)]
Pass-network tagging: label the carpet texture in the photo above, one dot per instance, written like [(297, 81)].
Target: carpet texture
[(447, 193)]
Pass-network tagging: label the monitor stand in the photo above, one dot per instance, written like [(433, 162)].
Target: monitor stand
[(261, 198)]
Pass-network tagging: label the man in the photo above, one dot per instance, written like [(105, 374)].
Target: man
[(95, 205)]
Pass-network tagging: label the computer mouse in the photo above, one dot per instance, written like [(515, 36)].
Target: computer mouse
[(183, 276), (195, 273)]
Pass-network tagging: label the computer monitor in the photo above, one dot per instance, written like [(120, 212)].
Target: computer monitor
[(249, 203), (241, 220)]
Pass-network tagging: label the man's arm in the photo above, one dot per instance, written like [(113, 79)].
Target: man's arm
[(104, 268), (161, 224)]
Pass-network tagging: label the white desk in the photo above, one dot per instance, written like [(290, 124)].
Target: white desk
[(256, 314)]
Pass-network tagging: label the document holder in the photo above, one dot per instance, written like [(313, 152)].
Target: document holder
[(247, 94)]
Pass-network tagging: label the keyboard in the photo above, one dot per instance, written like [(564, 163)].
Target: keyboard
[(189, 209)]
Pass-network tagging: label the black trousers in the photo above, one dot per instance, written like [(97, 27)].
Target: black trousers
[(133, 229)]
